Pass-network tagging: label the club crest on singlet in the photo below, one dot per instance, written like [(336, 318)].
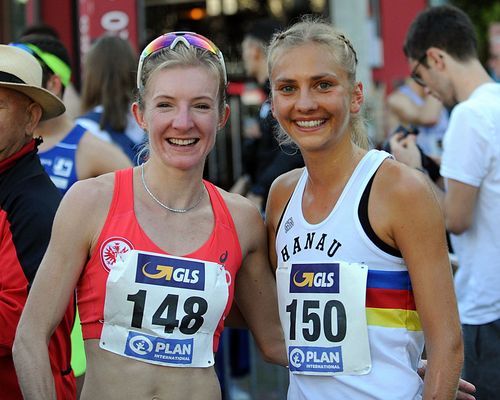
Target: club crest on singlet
[(112, 250)]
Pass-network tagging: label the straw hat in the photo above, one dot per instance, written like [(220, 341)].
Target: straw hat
[(22, 72)]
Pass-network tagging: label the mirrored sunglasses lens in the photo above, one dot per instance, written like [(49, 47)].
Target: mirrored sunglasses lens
[(157, 44), (166, 41), (202, 43)]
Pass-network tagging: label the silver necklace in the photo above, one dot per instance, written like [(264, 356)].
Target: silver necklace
[(174, 210)]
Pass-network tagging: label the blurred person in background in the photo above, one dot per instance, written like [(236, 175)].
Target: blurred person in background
[(109, 75), (409, 105), (494, 50), (264, 158), (441, 47), (494, 64), (68, 152), (263, 161), (71, 97)]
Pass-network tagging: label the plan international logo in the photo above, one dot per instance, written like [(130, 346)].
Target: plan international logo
[(316, 359), (168, 271), (315, 278), (159, 350)]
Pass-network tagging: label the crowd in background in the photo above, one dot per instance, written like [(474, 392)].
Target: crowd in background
[(99, 133)]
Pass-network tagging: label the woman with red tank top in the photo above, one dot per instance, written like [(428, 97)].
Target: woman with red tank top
[(155, 252)]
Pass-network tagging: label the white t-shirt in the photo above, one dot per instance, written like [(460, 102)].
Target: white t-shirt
[(472, 156)]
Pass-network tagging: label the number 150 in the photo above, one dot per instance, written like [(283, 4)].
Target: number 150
[(309, 315)]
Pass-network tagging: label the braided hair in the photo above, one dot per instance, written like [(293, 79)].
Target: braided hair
[(316, 30)]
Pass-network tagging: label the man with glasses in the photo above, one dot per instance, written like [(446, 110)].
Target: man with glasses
[(414, 72), (409, 105), (442, 50)]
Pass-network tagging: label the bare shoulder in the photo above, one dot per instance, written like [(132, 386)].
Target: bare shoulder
[(100, 156), (396, 99), (402, 203), (242, 210), (98, 186), (83, 211), (287, 181), (399, 179), (247, 220), (89, 196), (398, 187), (279, 194), (393, 97), (92, 142)]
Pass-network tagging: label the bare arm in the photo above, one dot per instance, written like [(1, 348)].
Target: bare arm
[(406, 111), (255, 288), (416, 227), (96, 157), (459, 204), (72, 236)]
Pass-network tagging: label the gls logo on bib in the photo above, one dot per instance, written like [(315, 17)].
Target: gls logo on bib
[(167, 271), (315, 278)]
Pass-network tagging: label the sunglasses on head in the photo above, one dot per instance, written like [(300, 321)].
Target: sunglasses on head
[(172, 39), (53, 63)]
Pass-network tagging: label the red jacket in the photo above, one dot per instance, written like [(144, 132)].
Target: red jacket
[(28, 202)]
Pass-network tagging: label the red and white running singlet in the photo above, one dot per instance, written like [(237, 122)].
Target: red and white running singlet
[(122, 233)]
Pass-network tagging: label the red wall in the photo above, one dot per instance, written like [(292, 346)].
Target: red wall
[(396, 17), (61, 20), (79, 22)]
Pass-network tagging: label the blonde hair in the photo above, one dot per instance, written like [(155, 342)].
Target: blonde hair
[(315, 30)]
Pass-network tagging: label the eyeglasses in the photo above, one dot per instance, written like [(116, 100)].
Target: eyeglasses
[(415, 75), (172, 39), (53, 63)]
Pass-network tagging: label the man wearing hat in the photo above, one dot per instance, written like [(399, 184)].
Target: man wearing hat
[(69, 152), (28, 203)]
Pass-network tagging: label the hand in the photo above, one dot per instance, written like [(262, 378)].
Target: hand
[(465, 389), (405, 150)]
